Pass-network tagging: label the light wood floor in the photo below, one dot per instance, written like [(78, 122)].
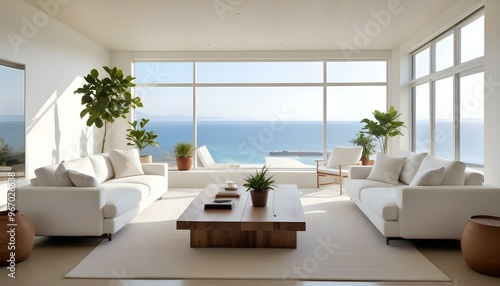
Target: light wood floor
[(53, 257)]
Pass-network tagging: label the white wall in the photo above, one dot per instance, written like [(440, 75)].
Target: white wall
[(492, 92), (56, 58)]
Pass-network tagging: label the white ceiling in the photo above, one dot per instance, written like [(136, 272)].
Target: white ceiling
[(223, 25)]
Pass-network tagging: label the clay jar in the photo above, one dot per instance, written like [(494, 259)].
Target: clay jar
[(16, 237), (481, 244)]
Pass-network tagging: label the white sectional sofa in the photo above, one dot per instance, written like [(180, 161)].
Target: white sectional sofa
[(419, 196), (91, 196)]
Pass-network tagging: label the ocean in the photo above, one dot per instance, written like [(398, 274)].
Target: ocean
[(250, 142)]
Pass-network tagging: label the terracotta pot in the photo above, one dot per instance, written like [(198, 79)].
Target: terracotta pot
[(259, 199), (184, 164), (18, 233), (481, 244), (146, 159), (365, 161)]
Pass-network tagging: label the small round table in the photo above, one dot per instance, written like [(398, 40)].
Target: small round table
[(481, 244)]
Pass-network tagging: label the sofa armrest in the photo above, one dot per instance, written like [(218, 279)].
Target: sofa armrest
[(443, 211), (68, 211), (359, 172), (155, 169)]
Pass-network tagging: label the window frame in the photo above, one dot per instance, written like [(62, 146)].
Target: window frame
[(324, 84), (456, 71)]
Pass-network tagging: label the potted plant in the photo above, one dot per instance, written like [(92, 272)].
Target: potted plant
[(5, 151), (259, 186), (183, 152), (385, 125), (368, 144), (140, 138), (107, 99)]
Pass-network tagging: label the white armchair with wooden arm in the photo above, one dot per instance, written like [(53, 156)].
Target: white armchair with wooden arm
[(338, 164)]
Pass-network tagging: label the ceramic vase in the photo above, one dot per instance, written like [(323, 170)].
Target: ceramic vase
[(481, 244), (16, 237)]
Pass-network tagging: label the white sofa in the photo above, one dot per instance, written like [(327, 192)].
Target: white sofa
[(91, 196), (419, 196)]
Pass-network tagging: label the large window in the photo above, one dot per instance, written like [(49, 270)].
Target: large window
[(277, 113), (447, 89), (12, 136)]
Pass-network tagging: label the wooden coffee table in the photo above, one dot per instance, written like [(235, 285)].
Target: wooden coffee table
[(273, 226)]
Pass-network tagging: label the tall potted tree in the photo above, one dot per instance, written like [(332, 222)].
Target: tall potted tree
[(383, 127), (107, 99), (140, 138)]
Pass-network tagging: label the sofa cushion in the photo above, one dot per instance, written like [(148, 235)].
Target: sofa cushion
[(82, 165), (120, 199), (102, 167), (125, 162), (82, 180), (429, 177), (356, 186), (411, 165), (382, 201), (143, 189), (45, 175), (387, 168), (153, 183), (454, 171)]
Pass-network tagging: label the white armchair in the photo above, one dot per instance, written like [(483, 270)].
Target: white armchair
[(338, 163)]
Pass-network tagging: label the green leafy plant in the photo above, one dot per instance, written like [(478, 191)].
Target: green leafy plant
[(384, 126), (139, 137), (183, 150), (260, 182), (5, 151), (107, 99), (367, 142)]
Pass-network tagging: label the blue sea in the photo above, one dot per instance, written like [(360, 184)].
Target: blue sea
[(250, 142), (12, 132)]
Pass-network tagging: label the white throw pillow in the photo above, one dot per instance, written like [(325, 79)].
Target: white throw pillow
[(102, 167), (386, 169), (454, 171), (410, 168), (45, 175), (125, 162), (82, 165), (82, 180), (429, 177)]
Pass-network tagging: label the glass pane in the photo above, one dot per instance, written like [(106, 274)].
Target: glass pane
[(259, 72), (472, 40), (245, 124), (444, 129), (347, 106), (355, 71), (472, 118), (163, 72), (422, 119), (421, 64), (444, 53), (12, 135), (170, 110)]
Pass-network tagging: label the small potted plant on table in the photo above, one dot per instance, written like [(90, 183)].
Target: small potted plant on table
[(259, 186), (183, 151), (368, 144), (140, 138)]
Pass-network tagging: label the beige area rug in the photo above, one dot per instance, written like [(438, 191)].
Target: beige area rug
[(339, 244)]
